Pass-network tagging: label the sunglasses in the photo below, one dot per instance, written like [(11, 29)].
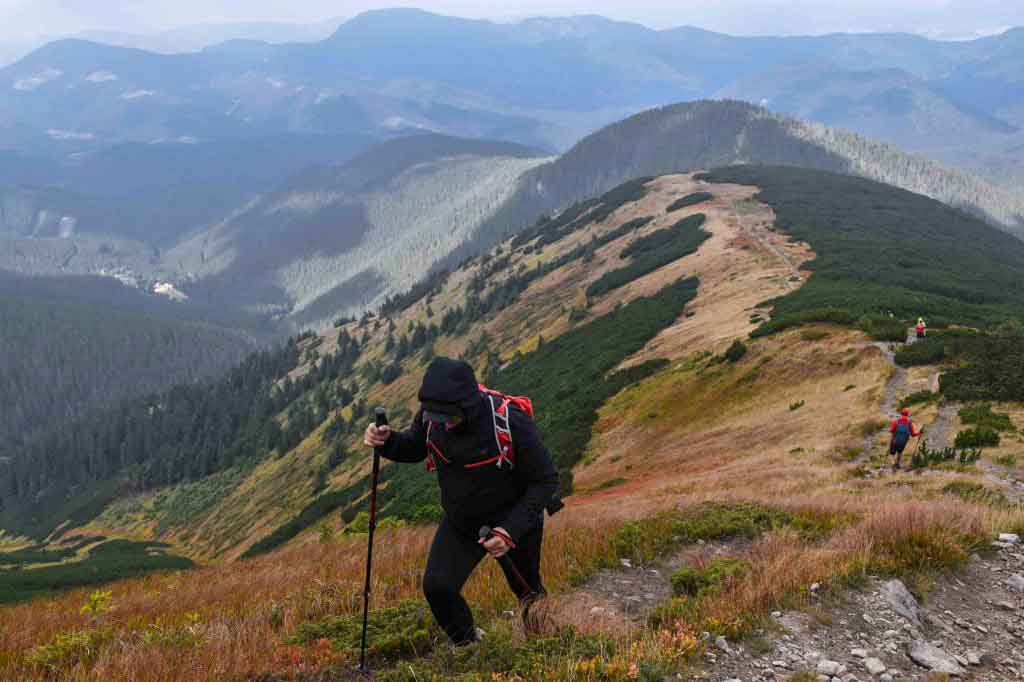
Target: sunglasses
[(443, 413)]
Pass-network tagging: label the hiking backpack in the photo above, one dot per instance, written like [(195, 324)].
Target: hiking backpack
[(902, 434), (500, 418)]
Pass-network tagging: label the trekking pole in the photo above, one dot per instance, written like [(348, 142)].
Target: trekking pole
[(506, 562), (381, 418), (530, 595)]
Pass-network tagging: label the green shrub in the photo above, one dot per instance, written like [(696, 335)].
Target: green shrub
[(918, 398), (689, 200), (978, 438), (696, 582), (982, 416), (797, 405), (68, 649), (406, 630), (653, 252), (736, 351), (925, 457), (883, 328), (107, 562), (931, 351)]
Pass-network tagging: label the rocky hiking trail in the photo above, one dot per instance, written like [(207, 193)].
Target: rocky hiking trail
[(970, 626)]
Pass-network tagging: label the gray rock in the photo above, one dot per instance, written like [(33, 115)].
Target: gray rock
[(722, 644), (973, 658), (898, 597), (935, 659), (886, 677), (1011, 538), (961, 660), (859, 653), (831, 668), (874, 666)]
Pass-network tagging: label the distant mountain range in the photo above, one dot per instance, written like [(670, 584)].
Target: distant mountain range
[(190, 38), (542, 82), (336, 240)]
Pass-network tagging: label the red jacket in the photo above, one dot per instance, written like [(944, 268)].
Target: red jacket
[(896, 422)]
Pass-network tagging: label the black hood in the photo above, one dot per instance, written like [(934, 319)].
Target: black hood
[(450, 381)]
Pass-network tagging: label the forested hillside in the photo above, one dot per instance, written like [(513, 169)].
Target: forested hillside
[(284, 444), (72, 345), (337, 239), (703, 135)]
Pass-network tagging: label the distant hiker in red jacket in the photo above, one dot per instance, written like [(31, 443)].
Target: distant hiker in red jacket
[(902, 431), (922, 328)]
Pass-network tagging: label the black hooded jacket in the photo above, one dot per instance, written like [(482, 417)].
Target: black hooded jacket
[(512, 498)]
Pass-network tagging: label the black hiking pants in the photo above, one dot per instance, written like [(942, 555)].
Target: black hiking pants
[(897, 449), (453, 557)]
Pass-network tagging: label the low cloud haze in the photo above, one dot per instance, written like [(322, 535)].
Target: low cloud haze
[(23, 19)]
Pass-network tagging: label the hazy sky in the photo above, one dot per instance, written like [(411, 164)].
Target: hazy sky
[(941, 18)]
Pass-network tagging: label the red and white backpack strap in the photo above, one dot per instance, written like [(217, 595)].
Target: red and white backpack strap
[(502, 430)]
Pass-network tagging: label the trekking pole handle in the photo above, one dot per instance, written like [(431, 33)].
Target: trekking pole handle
[(380, 415), (485, 534)]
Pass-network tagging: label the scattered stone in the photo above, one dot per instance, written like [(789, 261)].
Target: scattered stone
[(935, 659), (722, 644), (886, 677), (776, 614), (831, 668), (815, 587), (973, 658), (874, 666), (902, 602), (1011, 538), (597, 610), (859, 653), (512, 614), (961, 660), (626, 563)]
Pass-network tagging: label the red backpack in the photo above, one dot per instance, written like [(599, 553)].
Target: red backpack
[(502, 431)]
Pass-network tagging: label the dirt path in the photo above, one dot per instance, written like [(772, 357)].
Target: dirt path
[(895, 387), (622, 598)]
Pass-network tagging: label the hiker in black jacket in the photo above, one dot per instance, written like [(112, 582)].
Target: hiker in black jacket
[(457, 431)]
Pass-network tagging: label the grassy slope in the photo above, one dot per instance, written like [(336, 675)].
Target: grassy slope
[(699, 429), (881, 249)]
